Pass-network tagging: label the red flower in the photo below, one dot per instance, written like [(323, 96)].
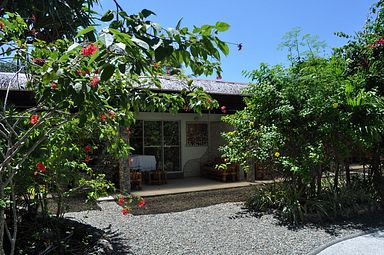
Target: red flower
[(87, 159), (103, 117), (40, 167), (38, 61), (89, 50), (34, 119), (120, 201), (95, 81), (141, 203), (88, 149), (223, 109), (53, 85), (2, 25), (124, 211)]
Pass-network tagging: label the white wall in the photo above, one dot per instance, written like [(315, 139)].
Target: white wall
[(190, 156)]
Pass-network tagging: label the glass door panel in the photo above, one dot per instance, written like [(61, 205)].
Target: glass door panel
[(152, 133), (153, 141), (161, 139), (136, 139), (172, 159)]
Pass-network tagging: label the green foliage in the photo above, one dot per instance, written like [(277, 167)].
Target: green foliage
[(289, 205), (51, 20), (86, 87), (311, 118)]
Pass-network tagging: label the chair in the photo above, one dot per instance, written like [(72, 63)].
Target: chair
[(158, 177), (136, 179)]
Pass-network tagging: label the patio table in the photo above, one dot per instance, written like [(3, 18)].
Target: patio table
[(142, 163)]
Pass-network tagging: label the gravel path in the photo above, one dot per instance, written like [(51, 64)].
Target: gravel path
[(219, 229)]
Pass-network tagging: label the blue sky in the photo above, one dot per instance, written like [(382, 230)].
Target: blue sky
[(258, 25)]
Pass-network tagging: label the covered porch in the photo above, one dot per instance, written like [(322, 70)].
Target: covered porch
[(191, 184)]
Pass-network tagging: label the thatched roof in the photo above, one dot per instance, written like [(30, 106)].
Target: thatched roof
[(18, 82), (210, 86), (14, 81)]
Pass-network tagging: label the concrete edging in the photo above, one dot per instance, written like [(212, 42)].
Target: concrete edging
[(339, 240)]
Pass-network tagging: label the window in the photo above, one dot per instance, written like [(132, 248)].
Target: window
[(158, 138), (197, 134)]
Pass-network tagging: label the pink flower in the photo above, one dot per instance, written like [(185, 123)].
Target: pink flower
[(141, 203), (87, 149), (124, 211), (53, 85), (120, 201), (223, 109), (95, 81), (89, 50), (40, 167), (103, 117), (34, 119)]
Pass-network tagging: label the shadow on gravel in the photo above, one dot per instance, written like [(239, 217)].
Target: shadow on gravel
[(117, 241), (367, 222)]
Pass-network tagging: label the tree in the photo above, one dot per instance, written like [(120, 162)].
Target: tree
[(51, 20), (303, 122), (102, 81)]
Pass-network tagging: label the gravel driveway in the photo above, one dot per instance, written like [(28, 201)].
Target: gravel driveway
[(219, 229)]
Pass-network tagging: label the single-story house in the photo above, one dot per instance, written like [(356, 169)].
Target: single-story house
[(181, 142)]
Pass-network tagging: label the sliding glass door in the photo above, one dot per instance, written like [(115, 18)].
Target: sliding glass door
[(161, 139)]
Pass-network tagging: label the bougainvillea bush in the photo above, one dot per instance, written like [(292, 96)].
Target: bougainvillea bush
[(79, 85)]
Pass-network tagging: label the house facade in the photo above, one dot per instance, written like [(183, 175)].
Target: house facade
[(182, 142)]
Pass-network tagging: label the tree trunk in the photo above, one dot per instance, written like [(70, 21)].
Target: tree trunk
[(319, 177), (2, 219), (124, 170), (336, 177), (347, 173)]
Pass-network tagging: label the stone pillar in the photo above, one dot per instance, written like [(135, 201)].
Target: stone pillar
[(124, 170)]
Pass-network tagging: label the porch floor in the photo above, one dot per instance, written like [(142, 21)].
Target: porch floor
[(192, 184)]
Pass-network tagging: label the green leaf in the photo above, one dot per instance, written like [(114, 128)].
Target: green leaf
[(146, 13), (141, 43), (108, 16), (107, 39), (107, 72), (122, 68), (222, 26), (223, 47), (73, 46), (179, 24), (85, 31)]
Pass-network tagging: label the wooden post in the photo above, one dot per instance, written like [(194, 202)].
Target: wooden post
[(124, 170)]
